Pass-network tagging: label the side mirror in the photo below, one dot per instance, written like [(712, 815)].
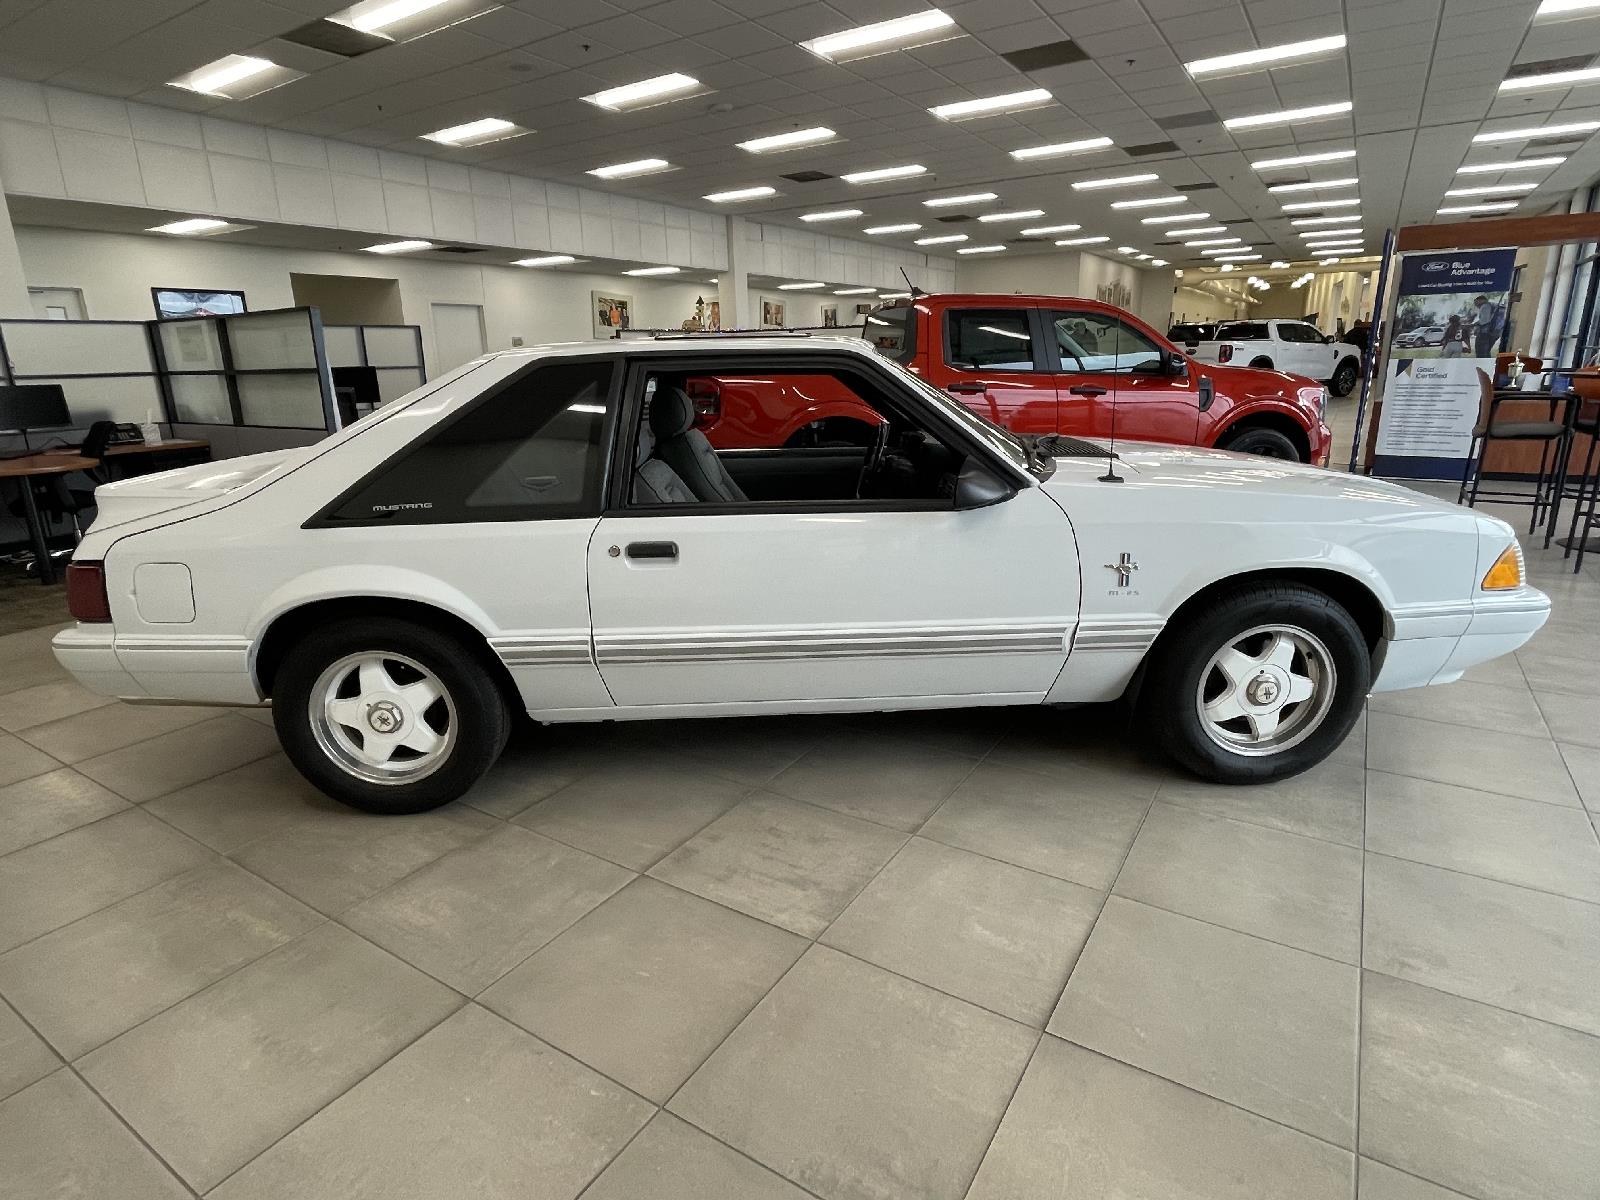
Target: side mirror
[(1327, 339), (979, 487), (1177, 364)]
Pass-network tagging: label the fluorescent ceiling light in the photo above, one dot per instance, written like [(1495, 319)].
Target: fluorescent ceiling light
[(1233, 241), (905, 227), (952, 201), (1338, 244), (644, 93), (1268, 56), (1179, 233), (189, 226), (1174, 218), (1010, 102), (799, 287), (1329, 262), (653, 271), (409, 246), (627, 170), (379, 15), (880, 173), (235, 77), (1127, 249), (1144, 257), (1528, 83), (1497, 206), (1025, 214), (894, 295), (882, 36), (1047, 230), (855, 291), (1279, 263), (1151, 202), (1493, 189), (1058, 149), (1318, 234), (1306, 160), (1218, 252), (942, 240), (1528, 133), (1515, 164), (1285, 116), (1159, 262), (1111, 181), (545, 260), (1558, 8), (1309, 221), (738, 194), (980, 249), (832, 214), (788, 141), (476, 133), (1083, 241), (1312, 205), (1314, 185), (1233, 258)]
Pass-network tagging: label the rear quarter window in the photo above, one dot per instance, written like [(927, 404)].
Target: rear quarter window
[(1244, 331)]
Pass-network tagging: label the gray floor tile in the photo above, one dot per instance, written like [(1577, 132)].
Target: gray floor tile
[(541, 760), (1264, 1027), (1583, 763), (333, 856), (475, 913), (646, 985), (32, 810), (1500, 707), (749, 750), (855, 1083), (635, 812), (1325, 802), (969, 731), (893, 783), (997, 935), (782, 861), (230, 810), (28, 659), (1084, 1127), (474, 1108), (1547, 665), (48, 884), (1381, 1182), (1073, 828), (24, 1059), (111, 727), (30, 706), (1537, 845), (173, 760), (1574, 719), (58, 1140), (83, 984), (1484, 1101), (672, 1160), (216, 1079), (1504, 671), (1516, 766), (1294, 890), (1527, 951), (19, 760), (1085, 747)]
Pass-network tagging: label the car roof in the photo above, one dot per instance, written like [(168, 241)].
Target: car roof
[(723, 343)]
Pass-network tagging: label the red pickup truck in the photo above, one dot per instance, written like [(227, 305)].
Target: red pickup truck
[(1035, 365)]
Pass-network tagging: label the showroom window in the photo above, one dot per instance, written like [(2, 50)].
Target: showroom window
[(1089, 340), (531, 451), (991, 339)]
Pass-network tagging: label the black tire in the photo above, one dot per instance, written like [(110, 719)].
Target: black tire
[(1345, 378), (1257, 439), (1169, 708), (474, 711), (1261, 363)]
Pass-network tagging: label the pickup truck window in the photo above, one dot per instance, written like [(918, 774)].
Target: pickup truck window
[(1099, 342), (1244, 331), (996, 339)]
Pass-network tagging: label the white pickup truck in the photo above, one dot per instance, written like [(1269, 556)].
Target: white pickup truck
[(1291, 346)]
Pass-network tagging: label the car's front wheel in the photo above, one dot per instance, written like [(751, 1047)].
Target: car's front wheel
[(1257, 439), (1260, 683), (387, 715), (1346, 377)]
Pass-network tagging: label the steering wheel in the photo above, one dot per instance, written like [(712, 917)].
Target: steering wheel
[(875, 456)]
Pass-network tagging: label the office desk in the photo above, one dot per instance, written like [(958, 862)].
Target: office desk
[(25, 470), (133, 454)]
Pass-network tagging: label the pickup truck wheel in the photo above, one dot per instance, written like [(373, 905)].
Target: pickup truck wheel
[(388, 716), (1259, 684), (1261, 362), (1346, 377), (1256, 439)]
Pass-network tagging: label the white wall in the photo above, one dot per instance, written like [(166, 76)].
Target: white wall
[(1082, 274)]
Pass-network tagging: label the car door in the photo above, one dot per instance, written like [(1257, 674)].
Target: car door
[(1310, 353), (994, 363), (900, 602), (1110, 370)]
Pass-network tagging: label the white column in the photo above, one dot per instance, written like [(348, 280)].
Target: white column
[(13, 285), (733, 285)]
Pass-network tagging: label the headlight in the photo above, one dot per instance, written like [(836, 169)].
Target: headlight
[(1506, 572)]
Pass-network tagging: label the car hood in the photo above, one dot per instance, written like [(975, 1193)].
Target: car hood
[(148, 495)]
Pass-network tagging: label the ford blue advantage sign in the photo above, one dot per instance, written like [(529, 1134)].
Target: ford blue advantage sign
[(1487, 271)]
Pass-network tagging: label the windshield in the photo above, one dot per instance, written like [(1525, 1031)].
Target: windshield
[(1004, 443), (889, 331)]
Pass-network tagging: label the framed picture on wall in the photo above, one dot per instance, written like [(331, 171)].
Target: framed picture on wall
[(830, 316), (771, 312), (187, 302), (714, 315), (612, 313), (863, 309)]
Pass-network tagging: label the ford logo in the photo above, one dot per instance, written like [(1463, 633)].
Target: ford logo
[(1430, 268)]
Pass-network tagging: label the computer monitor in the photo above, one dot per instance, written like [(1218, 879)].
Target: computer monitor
[(25, 406), (356, 392)]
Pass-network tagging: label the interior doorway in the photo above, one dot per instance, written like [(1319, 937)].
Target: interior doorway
[(457, 335), (349, 299), (57, 304)]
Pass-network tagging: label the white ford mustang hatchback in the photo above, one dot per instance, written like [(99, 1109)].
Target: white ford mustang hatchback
[(547, 529)]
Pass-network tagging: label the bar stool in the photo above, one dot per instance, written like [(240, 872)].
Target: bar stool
[(1584, 514), (1554, 432)]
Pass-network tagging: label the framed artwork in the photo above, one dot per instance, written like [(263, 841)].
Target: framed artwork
[(185, 302), (863, 309), (611, 313), (714, 315), (772, 312), (830, 316)]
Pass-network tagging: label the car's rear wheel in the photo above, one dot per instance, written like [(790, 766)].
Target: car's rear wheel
[(1259, 684), (1346, 377), (1257, 439), (387, 715)]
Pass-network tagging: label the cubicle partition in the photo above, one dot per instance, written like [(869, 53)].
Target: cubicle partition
[(106, 369), (253, 369), (393, 351)]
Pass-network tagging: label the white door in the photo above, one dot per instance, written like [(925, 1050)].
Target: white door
[(57, 304), (784, 606), (457, 335)]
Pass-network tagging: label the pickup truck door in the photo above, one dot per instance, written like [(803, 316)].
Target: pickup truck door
[(992, 360), (1309, 354), (1104, 364)]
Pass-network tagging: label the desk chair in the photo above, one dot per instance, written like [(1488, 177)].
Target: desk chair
[(1584, 515), (1555, 434)]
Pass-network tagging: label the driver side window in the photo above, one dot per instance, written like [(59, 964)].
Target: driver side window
[(1092, 341)]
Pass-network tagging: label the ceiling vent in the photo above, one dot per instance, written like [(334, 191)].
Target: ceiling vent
[(1194, 187), (1150, 148), (807, 176), (1023, 241), (955, 218), (458, 249), (1576, 62), (1051, 54), (1189, 120), (1239, 221), (333, 38)]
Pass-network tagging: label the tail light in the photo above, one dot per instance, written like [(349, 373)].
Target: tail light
[(86, 592), (1224, 353), (706, 395)]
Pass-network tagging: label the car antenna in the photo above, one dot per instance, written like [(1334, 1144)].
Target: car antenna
[(915, 290), (1111, 475)]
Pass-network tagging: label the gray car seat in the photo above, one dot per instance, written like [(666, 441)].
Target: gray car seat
[(685, 449), (653, 481)]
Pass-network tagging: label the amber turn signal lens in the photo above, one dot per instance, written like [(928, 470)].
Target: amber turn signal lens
[(1506, 572)]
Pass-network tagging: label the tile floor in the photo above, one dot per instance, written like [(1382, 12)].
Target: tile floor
[(996, 955)]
